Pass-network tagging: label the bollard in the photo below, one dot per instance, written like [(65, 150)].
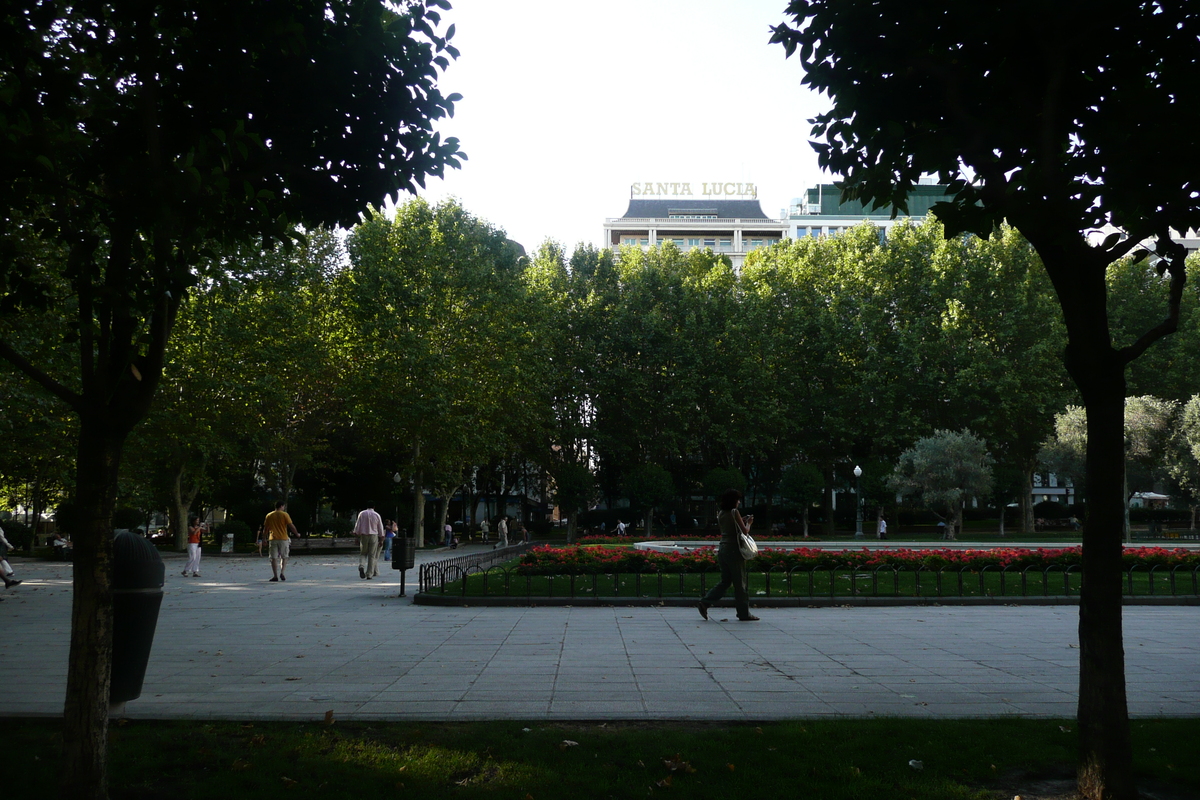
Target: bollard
[(138, 577)]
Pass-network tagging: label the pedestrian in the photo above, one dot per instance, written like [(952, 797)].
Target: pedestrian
[(193, 542), (882, 527), (369, 530), (524, 533), (389, 533), (502, 531), (279, 544), (483, 526), (447, 535), (620, 528), (6, 570), (258, 542), (729, 556)]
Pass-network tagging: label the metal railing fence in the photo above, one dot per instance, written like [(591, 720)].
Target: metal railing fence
[(478, 576), (436, 574)]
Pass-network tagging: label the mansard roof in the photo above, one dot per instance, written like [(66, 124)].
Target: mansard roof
[(709, 206)]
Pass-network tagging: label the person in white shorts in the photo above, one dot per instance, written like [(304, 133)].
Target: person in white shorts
[(277, 524)]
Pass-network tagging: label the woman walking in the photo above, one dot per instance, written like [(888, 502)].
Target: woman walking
[(729, 557), (193, 562)]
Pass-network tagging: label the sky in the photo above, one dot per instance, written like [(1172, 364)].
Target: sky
[(566, 104)]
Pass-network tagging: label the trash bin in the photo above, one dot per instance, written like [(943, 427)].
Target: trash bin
[(404, 555), (404, 551), (227, 543), (138, 577)]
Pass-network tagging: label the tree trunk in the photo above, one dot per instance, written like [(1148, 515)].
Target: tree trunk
[(1003, 508), (650, 522), (804, 517), (182, 506), (1105, 746), (827, 501), (1027, 525), (85, 713), (418, 496)]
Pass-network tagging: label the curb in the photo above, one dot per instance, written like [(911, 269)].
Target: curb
[(445, 600)]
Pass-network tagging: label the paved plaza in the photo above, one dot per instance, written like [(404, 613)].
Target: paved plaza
[(232, 645)]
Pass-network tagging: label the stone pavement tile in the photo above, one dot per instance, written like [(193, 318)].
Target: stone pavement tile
[(391, 695), (597, 709), (469, 710)]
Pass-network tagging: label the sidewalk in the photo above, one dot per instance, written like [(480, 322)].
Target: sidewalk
[(232, 645)]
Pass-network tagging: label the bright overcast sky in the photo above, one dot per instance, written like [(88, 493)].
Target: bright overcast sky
[(565, 104)]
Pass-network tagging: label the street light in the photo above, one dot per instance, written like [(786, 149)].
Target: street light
[(858, 509), (396, 480)]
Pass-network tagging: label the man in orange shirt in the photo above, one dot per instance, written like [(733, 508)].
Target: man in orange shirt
[(277, 524)]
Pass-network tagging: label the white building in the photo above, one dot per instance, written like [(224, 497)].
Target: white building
[(723, 217)]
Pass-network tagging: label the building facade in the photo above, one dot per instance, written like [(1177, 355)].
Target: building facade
[(724, 218), (821, 212)]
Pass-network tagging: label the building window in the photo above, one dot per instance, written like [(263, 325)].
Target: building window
[(710, 242), (693, 242)]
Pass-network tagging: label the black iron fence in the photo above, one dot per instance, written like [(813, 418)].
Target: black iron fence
[(437, 574), (479, 577)]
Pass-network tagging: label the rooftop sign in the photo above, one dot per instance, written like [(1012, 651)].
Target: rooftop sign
[(729, 190)]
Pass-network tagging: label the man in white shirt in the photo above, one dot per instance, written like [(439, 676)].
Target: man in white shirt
[(882, 528), (369, 530)]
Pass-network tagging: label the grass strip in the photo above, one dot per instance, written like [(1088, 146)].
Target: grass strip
[(820, 759)]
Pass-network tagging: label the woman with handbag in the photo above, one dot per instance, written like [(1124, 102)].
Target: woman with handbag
[(730, 558)]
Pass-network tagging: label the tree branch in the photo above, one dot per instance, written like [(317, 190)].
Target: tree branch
[(42, 379), (1176, 266)]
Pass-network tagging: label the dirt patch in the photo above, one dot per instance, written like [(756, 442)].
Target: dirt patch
[(1059, 784)]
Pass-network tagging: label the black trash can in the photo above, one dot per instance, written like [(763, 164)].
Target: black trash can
[(138, 577), (404, 555), (404, 551)]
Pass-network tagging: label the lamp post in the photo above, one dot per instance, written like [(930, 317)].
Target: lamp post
[(858, 509), (396, 480)]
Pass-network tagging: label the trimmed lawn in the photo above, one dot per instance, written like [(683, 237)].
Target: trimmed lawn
[(819, 759)]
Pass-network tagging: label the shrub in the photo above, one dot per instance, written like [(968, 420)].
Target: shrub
[(19, 534), (66, 516), (128, 518), (1048, 509), (242, 534), (337, 526)]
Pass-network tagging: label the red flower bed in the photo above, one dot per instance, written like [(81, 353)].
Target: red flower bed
[(584, 560)]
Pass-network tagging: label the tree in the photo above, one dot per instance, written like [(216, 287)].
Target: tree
[(803, 483), (647, 486), (1185, 462), (1150, 435), (946, 469), (1051, 117), (134, 136), (431, 297)]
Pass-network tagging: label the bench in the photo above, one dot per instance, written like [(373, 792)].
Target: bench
[(1164, 533), (324, 543), (938, 529)]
